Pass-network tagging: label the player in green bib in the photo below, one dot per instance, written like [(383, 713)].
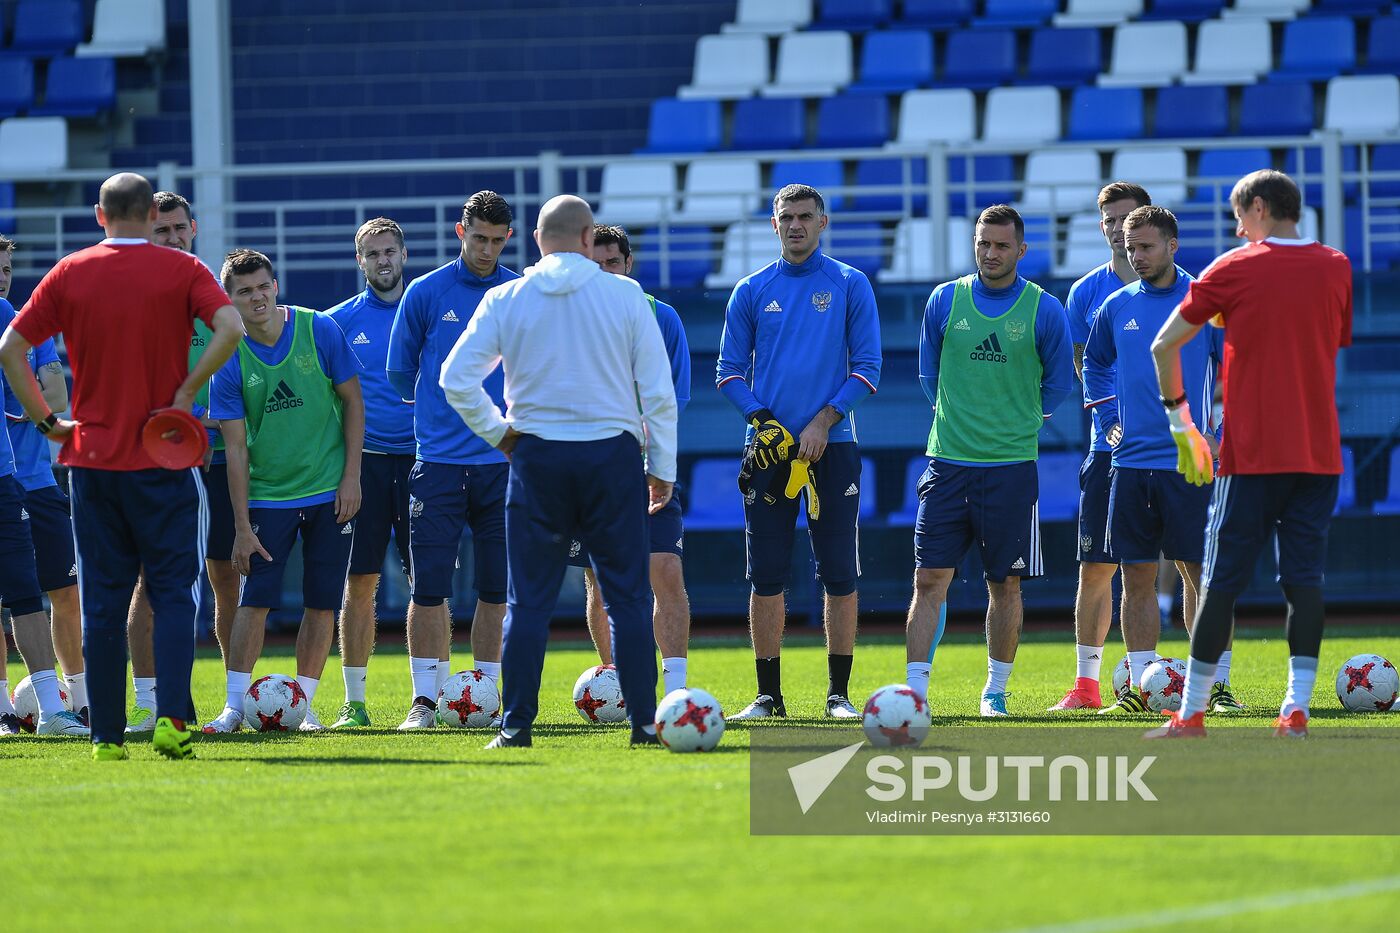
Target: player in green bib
[(995, 360), (293, 421)]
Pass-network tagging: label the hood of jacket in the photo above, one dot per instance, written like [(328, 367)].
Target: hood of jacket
[(562, 273)]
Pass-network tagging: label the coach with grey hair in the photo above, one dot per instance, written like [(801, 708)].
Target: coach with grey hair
[(581, 353)]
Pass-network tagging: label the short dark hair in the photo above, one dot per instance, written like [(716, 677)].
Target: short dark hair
[(1152, 216), (125, 196), (167, 201), (1122, 190), (243, 262), (488, 207), (799, 193), (1279, 193), (374, 227), (1000, 214), (607, 234), (7, 245)]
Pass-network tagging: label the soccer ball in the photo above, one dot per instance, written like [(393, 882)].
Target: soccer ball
[(689, 720), (1121, 675), (469, 700), (275, 703), (1162, 685), (1366, 684), (26, 703), (896, 716), (598, 695)]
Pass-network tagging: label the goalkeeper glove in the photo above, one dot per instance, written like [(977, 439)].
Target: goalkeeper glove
[(800, 476), (1193, 457), (772, 443)]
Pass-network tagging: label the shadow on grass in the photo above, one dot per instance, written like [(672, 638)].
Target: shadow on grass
[(352, 760)]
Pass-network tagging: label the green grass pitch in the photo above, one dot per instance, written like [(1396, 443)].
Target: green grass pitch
[(378, 830)]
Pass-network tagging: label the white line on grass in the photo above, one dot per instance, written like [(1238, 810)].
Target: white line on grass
[(1161, 917)]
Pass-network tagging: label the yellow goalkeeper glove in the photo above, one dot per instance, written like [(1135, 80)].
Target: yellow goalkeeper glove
[(1193, 457), (772, 443), (801, 476)]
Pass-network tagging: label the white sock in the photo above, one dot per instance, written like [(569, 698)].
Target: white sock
[(1200, 677), (145, 688), (236, 686), (355, 683), (77, 689), (491, 669), (1137, 663), (45, 685), (649, 729), (916, 675), (998, 673), (1302, 672), (308, 687), (1088, 661), (673, 673), (423, 671), (5, 705), (1222, 670), (444, 671)]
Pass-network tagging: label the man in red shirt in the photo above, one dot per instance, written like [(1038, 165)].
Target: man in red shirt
[(1285, 304), (126, 309)]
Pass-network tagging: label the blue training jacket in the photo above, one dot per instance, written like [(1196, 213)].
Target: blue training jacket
[(1085, 298), (366, 321)]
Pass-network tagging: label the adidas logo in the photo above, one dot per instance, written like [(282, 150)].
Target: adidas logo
[(962, 325), (24, 515), (1131, 325), (73, 571), (347, 528), (451, 316), (773, 308), (282, 399), (1020, 564), (680, 544), (851, 490), (254, 380), (360, 339), (989, 350)]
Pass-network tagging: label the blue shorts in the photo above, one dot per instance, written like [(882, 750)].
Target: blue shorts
[(51, 529), (325, 556), (1294, 509), (1156, 513), (1093, 507), (219, 542), (383, 511), (19, 583), (665, 529), (445, 499), (993, 507), (769, 528)]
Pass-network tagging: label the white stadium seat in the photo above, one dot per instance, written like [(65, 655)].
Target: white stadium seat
[(125, 29), (749, 245), (811, 64), (1161, 170), (1232, 51), (1022, 115), (637, 191), (1060, 180), (912, 260), (1268, 9), (31, 145), (1084, 246), (1098, 12), (945, 115), (770, 17), (718, 190), (727, 67), (1363, 105), (1146, 55)]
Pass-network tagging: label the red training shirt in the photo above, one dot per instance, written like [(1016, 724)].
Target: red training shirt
[(126, 309), (1287, 311)]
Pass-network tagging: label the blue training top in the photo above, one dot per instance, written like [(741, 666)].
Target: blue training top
[(366, 321), (33, 465), (1085, 297), (7, 454), (678, 349)]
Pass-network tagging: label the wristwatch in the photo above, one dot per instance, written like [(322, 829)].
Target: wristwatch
[(47, 424), (1170, 403)]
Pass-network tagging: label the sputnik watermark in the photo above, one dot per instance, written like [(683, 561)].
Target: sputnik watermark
[(1103, 778)]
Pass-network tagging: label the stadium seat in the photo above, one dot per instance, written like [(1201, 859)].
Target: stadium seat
[(826, 175), (718, 190), (1098, 12), (1060, 180), (811, 64), (1383, 46), (715, 503), (895, 61), (912, 257), (1378, 247), (687, 256), (47, 27), (1040, 248), (1161, 171), (1084, 246), (1059, 485), (125, 29), (1277, 109), (980, 58), (1384, 158), (684, 126), (853, 121), (1106, 113), (937, 14), (943, 115), (769, 123), (1346, 486), (1187, 11), (859, 244), (1199, 111), (1204, 233), (16, 86), (1232, 51), (1219, 169), (8, 224), (1146, 55), (1267, 9), (727, 67), (988, 172), (891, 174), (79, 87), (1390, 505), (32, 145), (637, 192), (1064, 57), (1363, 105), (1022, 115), (1312, 166), (1017, 14), (854, 15), (770, 17), (1317, 47), (748, 246), (909, 510)]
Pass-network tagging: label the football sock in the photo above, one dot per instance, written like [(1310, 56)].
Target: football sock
[(145, 688), (45, 685), (1200, 677), (355, 678), (1222, 669), (423, 672), (77, 689), (5, 705), (1088, 661), (1137, 663), (1305, 615), (308, 687), (444, 671), (998, 673), (1302, 673), (237, 685), (838, 674), (916, 675), (648, 729), (673, 672), (770, 677), (491, 669)]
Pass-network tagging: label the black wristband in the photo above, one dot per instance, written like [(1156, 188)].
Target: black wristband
[(1170, 403), (47, 424), (760, 416)]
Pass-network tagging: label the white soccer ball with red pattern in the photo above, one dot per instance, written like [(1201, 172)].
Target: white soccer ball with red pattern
[(469, 700), (896, 716), (1122, 674), (26, 703), (689, 720), (598, 695), (275, 703), (1163, 685), (1367, 683)]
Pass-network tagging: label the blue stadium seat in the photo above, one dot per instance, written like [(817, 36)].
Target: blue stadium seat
[(1346, 488), (980, 58), (1187, 11), (1390, 505), (1385, 221), (1384, 158), (715, 503), (684, 126), (1040, 249), (1312, 164), (1185, 111), (8, 225), (1383, 46), (79, 87), (894, 61), (823, 174), (47, 27), (16, 86), (1106, 113), (769, 123), (861, 245), (1317, 47), (690, 256), (937, 14), (1228, 166), (1198, 226), (1064, 57), (909, 509), (853, 121), (1017, 13), (1277, 109), (985, 168), (1358, 7), (1059, 485), (872, 172), (854, 15)]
